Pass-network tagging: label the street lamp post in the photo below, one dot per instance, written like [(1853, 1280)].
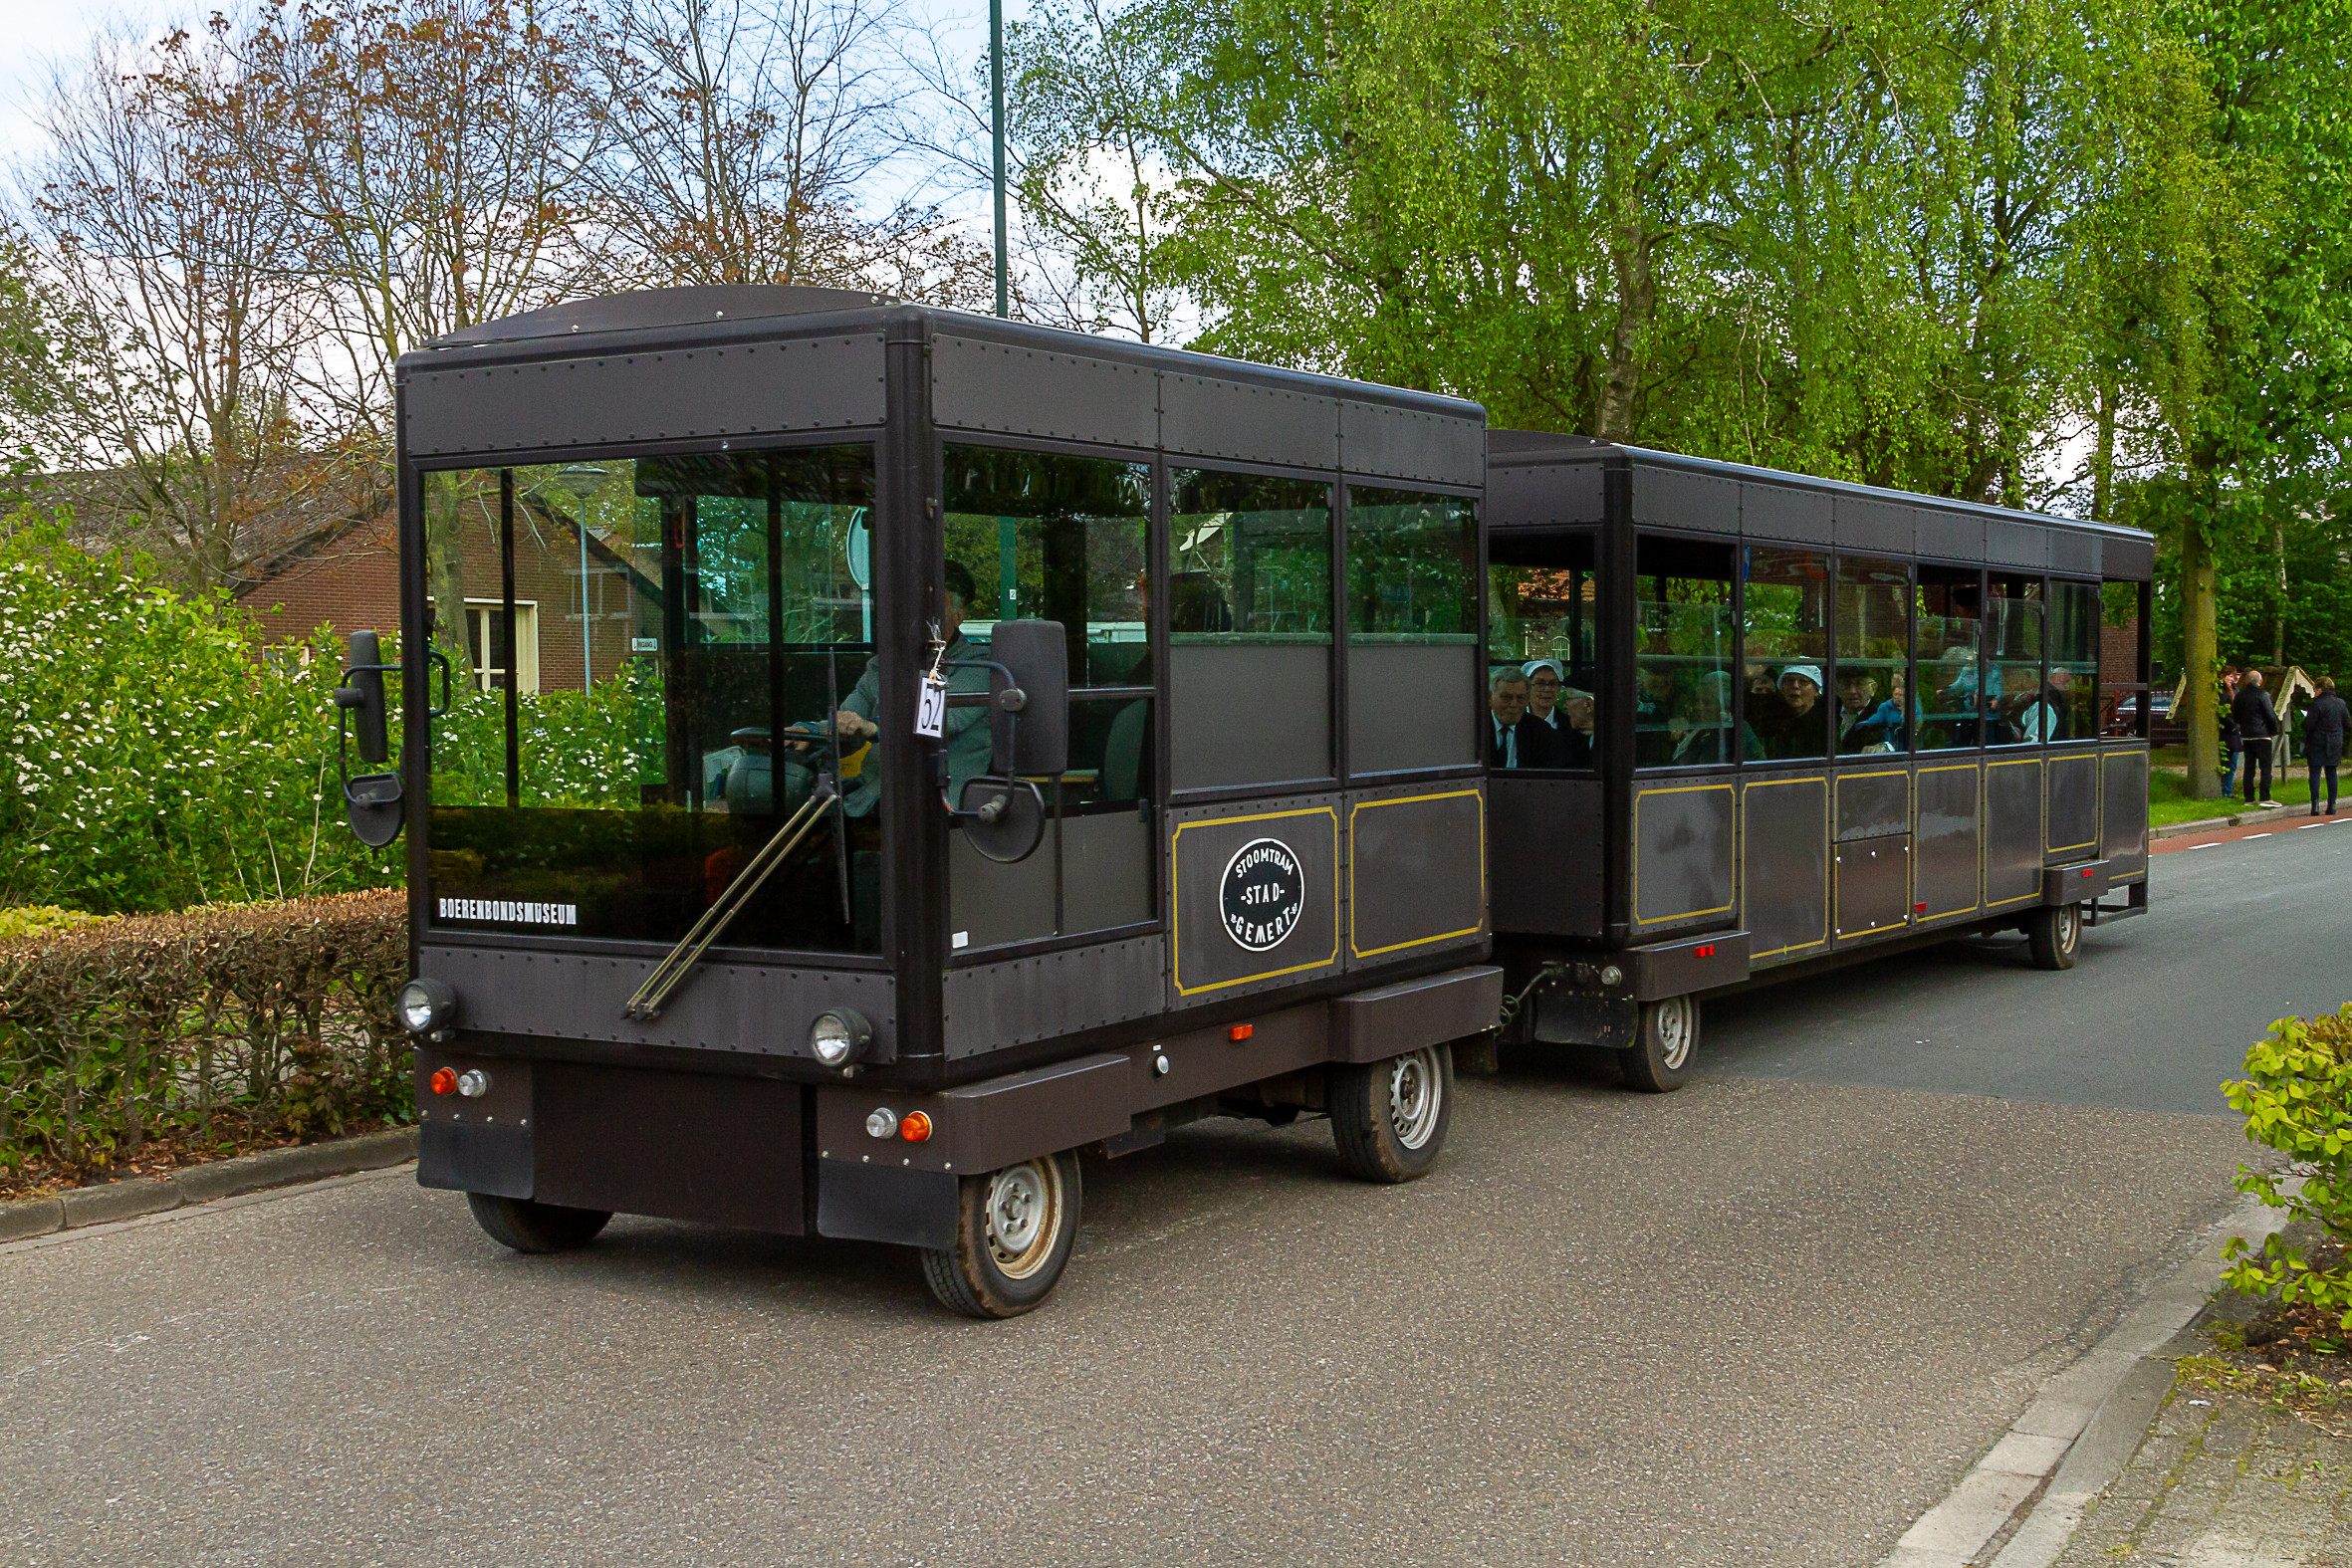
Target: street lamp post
[(995, 80)]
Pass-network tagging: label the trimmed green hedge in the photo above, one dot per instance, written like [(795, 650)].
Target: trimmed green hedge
[(112, 1032)]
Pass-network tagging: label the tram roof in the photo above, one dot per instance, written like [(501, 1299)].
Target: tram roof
[(1697, 493), (721, 313)]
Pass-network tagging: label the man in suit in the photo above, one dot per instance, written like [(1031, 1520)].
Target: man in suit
[(2258, 725), (2324, 723), (1507, 712)]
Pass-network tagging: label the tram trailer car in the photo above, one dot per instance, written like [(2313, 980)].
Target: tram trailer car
[(906, 749), (1798, 722)]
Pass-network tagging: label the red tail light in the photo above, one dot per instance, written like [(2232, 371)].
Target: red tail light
[(445, 1082), (914, 1127)]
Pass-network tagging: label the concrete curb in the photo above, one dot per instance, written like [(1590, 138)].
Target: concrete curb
[(2203, 824), (199, 1184), (2081, 1429)]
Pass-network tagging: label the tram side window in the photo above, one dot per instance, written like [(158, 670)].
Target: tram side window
[(1785, 650), (1681, 665), (1412, 629), (2073, 686), (1873, 656), (1249, 629), (1066, 538), (1948, 707), (2017, 708), (1542, 614)]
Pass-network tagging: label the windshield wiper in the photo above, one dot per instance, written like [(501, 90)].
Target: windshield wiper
[(680, 962)]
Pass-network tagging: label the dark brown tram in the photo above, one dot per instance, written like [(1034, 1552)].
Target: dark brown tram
[(1742, 722), (895, 749)]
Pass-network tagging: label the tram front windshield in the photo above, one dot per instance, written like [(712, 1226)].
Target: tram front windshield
[(650, 656)]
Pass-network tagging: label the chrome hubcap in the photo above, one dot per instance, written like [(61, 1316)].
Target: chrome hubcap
[(1674, 1032), (1024, 1216), (2069, 927), (1416, 1091)]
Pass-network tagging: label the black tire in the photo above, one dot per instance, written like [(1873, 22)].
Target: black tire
[(1014, 1229), (536, 1227), (2055, 935), (1389, 1118), (1664, 1040)]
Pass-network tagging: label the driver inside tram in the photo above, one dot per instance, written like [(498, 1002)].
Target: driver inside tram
[(964, 733)]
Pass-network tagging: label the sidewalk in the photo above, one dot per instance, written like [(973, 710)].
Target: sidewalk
[(2221, 1478)]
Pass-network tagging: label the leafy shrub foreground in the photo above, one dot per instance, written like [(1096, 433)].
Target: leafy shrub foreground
[(2296, 1099), (277, 1017)]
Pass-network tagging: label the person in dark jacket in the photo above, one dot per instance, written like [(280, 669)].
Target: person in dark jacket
[(2258, 724), (2324, 721), (2228, 730)]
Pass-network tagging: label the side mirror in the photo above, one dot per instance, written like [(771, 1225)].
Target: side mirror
[(1038, 744), (372, 802), (364, 697)]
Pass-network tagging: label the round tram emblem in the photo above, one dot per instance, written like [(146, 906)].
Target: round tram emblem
[(1262, 894)]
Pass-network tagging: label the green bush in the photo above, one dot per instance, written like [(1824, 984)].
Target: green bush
[(38, 920), (2296, 1099), (113, 1031), (151, 755)]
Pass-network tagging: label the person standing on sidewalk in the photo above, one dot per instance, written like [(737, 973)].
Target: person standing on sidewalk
[(2229, 728), (2258, 727), (2324, 723)]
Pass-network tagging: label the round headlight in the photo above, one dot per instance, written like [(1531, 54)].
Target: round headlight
[(839, 1037), (426, 1005)]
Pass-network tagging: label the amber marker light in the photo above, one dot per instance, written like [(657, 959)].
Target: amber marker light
[(1242, 1031), (915, 1127), (445, 1082)]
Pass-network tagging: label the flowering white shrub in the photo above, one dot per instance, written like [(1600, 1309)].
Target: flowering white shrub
[(152, 754)]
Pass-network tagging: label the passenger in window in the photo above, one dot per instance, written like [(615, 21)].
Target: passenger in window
[(1957, 694), (1654, 708), (1790, 721), (1546, 738), (2040, 716), (1865, 722), (1704, 735), (1581, 714), (1507, 712)]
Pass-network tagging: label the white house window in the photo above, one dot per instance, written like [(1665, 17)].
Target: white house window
[(489, 637)]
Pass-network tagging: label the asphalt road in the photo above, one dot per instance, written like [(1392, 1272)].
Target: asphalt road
[(1767, 1320)]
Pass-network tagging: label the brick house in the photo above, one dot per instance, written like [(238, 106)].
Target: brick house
[(349, 580)]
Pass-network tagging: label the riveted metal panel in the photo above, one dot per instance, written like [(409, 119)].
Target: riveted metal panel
[(980, 385), (2013, 832), (1947, 842), (1873, 886), (1543, 855), (1208, 960), (2127, 560), (2024, 545), (990, 904), (2072, 819), (1546, 494), (1249, 712), (1954, 535), (1411, 443), (2074, 552), (1868, 523), (1783, 511), (1203, 417), (2123, 824), (1679, 498), (1686, 855), (681, 1145), (1016, 1001), (1415, 869), (1873, 803), (1785, 866), (752, 1008), (1412, 705), (740, 389)]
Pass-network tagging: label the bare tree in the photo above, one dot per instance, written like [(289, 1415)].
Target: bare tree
[(166, 396)]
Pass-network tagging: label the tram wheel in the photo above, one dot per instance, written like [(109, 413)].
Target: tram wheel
[(1389, 1118), (1659, 1059), (1014, 1229), (536, 1227), (2055, 935)]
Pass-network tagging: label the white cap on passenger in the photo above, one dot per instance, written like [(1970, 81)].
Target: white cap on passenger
[(1811, 672), (1532, 665)]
